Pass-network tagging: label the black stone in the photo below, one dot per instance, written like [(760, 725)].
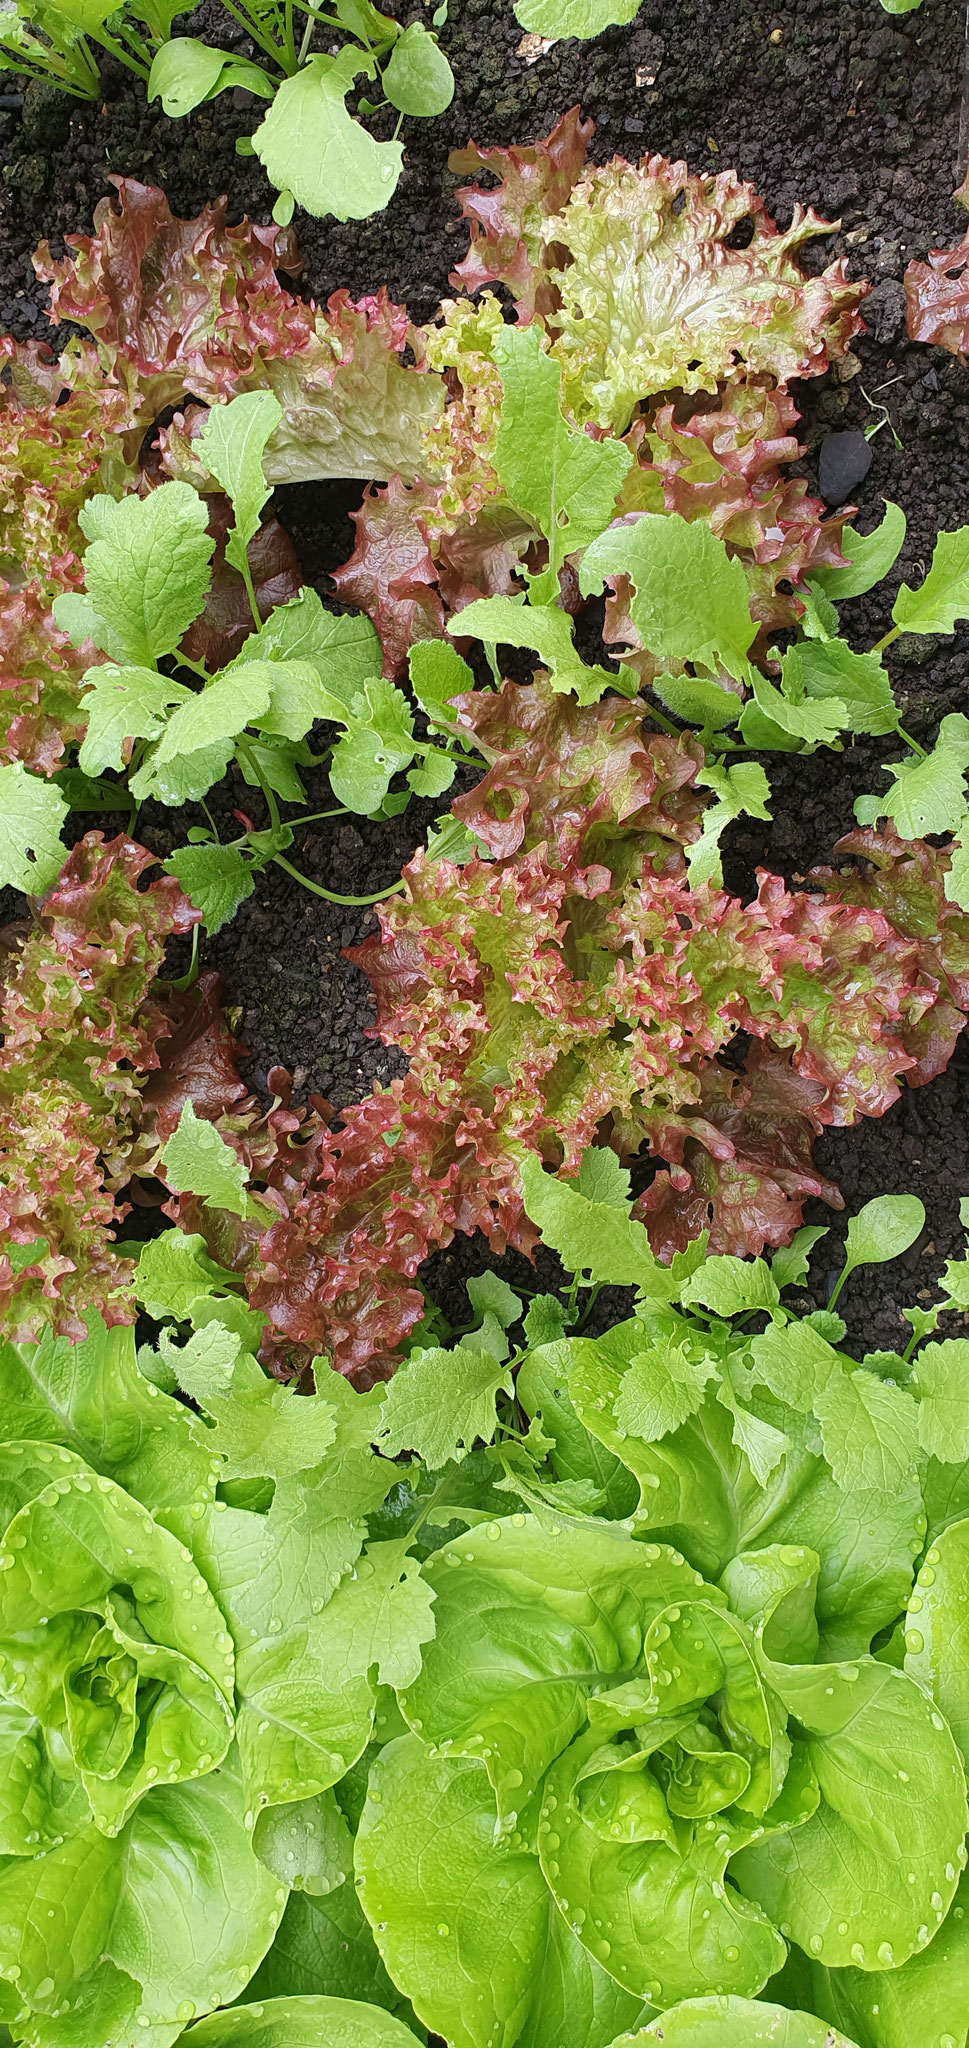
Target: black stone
[(844, 462)]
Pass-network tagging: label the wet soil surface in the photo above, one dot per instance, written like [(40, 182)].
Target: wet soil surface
[(827, 102)]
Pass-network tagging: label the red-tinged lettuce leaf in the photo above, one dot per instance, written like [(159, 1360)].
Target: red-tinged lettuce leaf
[(507, 222), (40, 683), (81, 1028), (635, 270), (654, 296), (391, 573), (176, 305), (937, 292), (904, 880), (369, 1204), (217, 635), (744, 1168), (553, 1008), (351, 406), (725, 463), (580, 777), (199, 1061), (57, 445)]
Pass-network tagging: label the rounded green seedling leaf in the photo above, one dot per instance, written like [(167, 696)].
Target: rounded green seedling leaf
[(417, 78), (735, 2023), (185, 72), (884, 1229)]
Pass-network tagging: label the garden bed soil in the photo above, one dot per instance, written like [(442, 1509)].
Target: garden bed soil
[(827, 102)]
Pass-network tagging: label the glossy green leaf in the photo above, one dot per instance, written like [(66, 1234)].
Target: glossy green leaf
[(923, 2005), (175, 1912), (307, 1845), (304, 2023), (476, 1695), (893, 1799), (937, 1629), (736, 2023), (449, 1907)]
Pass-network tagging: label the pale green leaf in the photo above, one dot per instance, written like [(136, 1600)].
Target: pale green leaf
[(547, 631), (309, 144), (185, 72), (174, 1270), (592, 1237), (438, 673), (957, 878), (307, 1845), (203, 1366), (199, 1161), (439, 1403), (558, 477), (944, 595), (231, 446), (698, 701), (216, 879), (738, 790), (928, 793), (819, 671), (731, 1286), (32, 811), (123, 704), (736, 2023), (869, 557), (219, 712), (266, 1430), (883, 1229), (417, 78), (659, 1389), (553, 19), (379, 1619), (690, 598), (146, 569), (940, 1378)]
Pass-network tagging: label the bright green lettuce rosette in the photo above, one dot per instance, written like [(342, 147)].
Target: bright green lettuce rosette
[(190, 1641), (655, 1772)]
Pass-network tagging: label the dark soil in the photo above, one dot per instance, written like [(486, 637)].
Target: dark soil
[(827, 102)]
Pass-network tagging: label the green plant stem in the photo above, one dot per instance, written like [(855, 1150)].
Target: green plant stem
[(665, 724), (117, 50), (190, 977), (246, 754), (909, 742), (265, 42), (839, 1283), (251, 591), (339, 811), (886, 639), (329, 895)]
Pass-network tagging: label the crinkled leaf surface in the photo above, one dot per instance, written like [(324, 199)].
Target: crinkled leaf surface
[(147, 568)]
